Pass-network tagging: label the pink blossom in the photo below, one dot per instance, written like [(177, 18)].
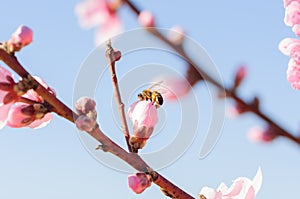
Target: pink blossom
[(176, 35), (290, 47), (241, 188), (99, 14), (33, 116), (139, 182), (172, 88), (293, 74), (146, 19), (4, 108), (21, 37), (144, 116), (292, 14), (109, 29), (288, 2)]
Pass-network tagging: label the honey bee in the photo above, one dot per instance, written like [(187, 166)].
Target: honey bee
[(152, 95)]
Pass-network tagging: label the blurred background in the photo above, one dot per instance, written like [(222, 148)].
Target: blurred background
[(52, 162)]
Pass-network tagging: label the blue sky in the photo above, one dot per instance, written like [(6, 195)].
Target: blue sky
[(53, 163)]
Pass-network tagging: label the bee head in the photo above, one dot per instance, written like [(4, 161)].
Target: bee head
[(140, 97)]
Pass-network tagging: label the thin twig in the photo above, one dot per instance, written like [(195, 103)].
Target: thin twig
[(133, 159), (111, 59), (153, 30)]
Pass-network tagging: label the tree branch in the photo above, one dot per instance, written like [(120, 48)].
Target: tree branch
[(111, 57), (63, 110), (153, 30)]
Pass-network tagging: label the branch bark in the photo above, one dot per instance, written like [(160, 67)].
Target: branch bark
[(133, 159)]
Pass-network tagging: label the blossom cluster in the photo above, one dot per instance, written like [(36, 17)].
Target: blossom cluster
[(241, 188), (14, 111), (291, 46), (20, 105)]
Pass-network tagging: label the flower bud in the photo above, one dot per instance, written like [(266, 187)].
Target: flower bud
[(267, 135), (20, 116), (84, 105), (239, 76), (176, 35), (139, 182), (21, 38), (144, 116), (85, 123), (146, 19)]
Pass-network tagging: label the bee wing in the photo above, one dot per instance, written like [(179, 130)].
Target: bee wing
[(160, 87)]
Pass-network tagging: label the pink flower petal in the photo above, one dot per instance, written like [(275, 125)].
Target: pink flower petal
[(40, 123), (109, 29), (4, 109), (92, 13), (257, 181), (138, 182), (288, 2), (144, 112), (172, 88), (242, 188), (17, 119), (3, 78), (296, 29), (210, 193), (235, 189), (292, 14), (22, 36), (293, 74), (250, 193), (287, 45)]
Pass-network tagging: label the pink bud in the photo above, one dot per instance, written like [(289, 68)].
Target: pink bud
[(176, 35), (84, 105), (22, 36), (144, 116), (18, 116), (146, 19), (85, 123), (240, 75), (257, 134), (139, 182)]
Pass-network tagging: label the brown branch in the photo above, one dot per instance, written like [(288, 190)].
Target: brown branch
[(111, 59), (153, 30), (61, 109)]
